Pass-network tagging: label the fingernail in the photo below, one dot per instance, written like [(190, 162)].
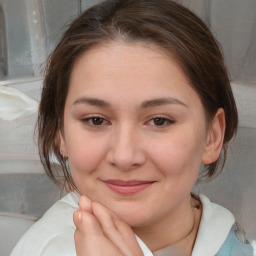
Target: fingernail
[(80, 216)]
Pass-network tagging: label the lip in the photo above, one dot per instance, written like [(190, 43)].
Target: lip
[(128, 187)]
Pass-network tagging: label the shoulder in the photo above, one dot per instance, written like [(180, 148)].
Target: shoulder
[(53, 234)]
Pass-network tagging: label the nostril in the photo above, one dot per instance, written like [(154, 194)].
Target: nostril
[(124, 160), (125, 149)]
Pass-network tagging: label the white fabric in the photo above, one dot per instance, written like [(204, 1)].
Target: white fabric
[(53, 234), (15, 104), (216, 222)]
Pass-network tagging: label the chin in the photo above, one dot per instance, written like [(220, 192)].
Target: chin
[(134, 218), (135, 222)]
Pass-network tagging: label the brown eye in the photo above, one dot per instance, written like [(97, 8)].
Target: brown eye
[(97, 121), (159, 121)]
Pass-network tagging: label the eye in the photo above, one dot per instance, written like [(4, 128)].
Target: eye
[(95, 121), (160, 121)]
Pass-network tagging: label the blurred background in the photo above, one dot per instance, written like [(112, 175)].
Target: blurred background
[(29, 30)]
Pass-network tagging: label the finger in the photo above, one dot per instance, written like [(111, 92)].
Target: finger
[(89, 237), (86, 223), (117, 231), (85, 204), (128, 235), (77, 218)]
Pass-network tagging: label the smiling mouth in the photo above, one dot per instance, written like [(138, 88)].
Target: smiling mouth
[(128, 187)]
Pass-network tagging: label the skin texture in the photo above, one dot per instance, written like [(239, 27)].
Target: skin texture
[(134, 136)]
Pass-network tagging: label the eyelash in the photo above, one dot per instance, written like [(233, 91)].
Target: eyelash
[(90, 120), (164, 122)]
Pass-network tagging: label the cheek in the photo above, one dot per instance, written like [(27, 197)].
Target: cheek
[(179, 155), (85, 154)]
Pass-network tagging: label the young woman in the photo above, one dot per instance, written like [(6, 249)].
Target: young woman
[(136, 99)]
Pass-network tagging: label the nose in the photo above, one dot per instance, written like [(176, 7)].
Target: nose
[(126, 151)]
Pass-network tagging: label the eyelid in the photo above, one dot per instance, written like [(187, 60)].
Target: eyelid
[(88, 118), (167, 119)]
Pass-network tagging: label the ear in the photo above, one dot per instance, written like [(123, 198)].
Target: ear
[(215, 137), (63, 148)]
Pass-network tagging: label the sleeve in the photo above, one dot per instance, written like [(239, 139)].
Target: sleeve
[(38, 242), (52, 235)]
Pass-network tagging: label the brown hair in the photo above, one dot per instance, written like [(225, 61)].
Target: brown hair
[(161, 22)]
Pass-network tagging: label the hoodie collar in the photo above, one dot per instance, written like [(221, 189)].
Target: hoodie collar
[(215, 224)]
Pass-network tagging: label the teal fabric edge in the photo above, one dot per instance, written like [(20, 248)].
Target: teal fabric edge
[(235, 247)]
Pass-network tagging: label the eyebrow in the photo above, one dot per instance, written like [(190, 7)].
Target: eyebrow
[(93, 102), (145, 104), (162, 101)]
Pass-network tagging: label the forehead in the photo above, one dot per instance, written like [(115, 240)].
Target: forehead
[(131, 69), (129, 56)]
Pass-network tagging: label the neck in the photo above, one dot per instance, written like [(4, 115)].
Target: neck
[(171, 228)]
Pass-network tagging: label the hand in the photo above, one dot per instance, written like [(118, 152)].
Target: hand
[(100, 232)]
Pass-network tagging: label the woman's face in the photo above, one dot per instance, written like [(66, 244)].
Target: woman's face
[(134, 131)]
